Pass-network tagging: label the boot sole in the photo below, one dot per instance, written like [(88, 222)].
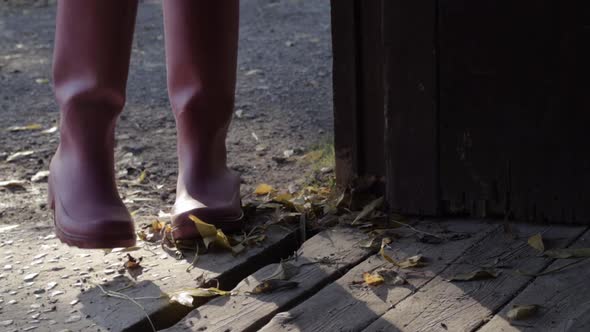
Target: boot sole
[(85, 242)]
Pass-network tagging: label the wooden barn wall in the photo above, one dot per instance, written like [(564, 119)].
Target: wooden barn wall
[(358, 88), (515, 109), (411, 99)]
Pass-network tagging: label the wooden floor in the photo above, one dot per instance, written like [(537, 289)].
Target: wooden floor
[(332, 296)]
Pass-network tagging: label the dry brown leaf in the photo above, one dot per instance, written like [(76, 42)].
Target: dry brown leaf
[(263, 189), (368, 209), (476, 275), (284, 271), (186, 296), (536, 241), (373, 279), (414, 261), (132, 262), (522, 311)]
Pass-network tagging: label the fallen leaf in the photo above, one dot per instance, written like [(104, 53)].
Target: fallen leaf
[(207, 231), (522, 311), (186, 296), (32, 126), (132, 262), (536, 241), (568, 253), (414, 261), (476, 275), (373, 279), (142, 176), (262, 189), (368, 209), (272, 285), (212, 235), (284, 271), (384, 243)]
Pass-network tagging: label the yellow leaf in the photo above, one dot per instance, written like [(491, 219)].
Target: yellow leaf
[(32, 126), (522, 311), (373, 279), (414, 261), (142, 176), (384, 243), (157, 226), (263, 189), (207, 231), (536, 241)]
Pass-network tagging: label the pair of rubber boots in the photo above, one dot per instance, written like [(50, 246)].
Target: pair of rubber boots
[(91, 60)]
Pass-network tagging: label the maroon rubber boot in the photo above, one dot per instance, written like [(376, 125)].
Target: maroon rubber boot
[(91, 60), (201, 59)]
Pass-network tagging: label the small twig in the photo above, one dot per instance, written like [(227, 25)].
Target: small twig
[(559, 269), (125, 297), (195, 259), (416, 230)]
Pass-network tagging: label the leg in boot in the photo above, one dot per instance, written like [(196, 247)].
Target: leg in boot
[(201, 55), (91, 60)]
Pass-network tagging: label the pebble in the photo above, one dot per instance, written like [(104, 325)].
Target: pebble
[(40, 256), (12, 302), (6, 322), (74, 302), (51, 285), (109, 271), (7, 267), (56, 293), (73, 319), (30, 277), (35, 316), (39, 291)]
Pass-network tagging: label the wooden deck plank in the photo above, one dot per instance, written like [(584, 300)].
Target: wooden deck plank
[(79, 305), (442, 305), (250, 312), (342, 306), (564, 298)]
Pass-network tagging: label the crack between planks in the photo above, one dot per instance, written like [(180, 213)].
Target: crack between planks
[(527, 284), (173, 313), (257, 325)]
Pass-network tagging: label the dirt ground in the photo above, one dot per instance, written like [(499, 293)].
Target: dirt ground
[(283, 103)]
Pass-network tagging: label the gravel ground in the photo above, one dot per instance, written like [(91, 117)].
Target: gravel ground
[(284, 102)]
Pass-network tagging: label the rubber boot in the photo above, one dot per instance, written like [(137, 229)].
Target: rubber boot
[(91, 60), (201, 59)]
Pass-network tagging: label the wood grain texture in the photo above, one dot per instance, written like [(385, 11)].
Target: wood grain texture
[(411, 106), (442, 305), (513, 109), (344, 81), (564, 298), (344, 306), (249, 312)]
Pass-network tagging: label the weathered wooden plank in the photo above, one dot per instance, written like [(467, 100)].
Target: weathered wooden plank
[(343, 306), (564, 298), (338, 249), (77, 304), (442, 305), (411, 106)]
